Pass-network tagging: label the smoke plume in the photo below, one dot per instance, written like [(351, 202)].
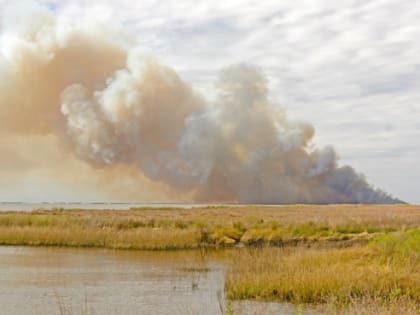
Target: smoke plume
[(113, 107)]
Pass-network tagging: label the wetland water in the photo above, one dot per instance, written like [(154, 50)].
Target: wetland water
[(23, 206), (97, 281)]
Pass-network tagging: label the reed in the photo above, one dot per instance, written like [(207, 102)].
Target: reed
[(386, 270), (141, 238), (325, 226)]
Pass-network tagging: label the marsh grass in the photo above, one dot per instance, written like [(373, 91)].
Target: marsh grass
[(349, 259), (330, 226), (198, 269), (386, 271), (369, 306), (141, 238)]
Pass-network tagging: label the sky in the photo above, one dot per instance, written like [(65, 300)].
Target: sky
[(351, 68)]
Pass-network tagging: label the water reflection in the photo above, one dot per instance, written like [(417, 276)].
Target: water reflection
[(41, 280), (98, 281), (23, 206)]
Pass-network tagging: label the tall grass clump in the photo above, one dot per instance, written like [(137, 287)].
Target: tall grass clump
[(141, 238), (338, 276)]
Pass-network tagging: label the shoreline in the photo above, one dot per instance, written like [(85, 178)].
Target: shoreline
[(31, 206), (336, 256)]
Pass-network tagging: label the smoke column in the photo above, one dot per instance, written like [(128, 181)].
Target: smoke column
[(109, 105)]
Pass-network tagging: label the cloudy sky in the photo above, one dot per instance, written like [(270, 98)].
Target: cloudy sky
[(350, 67)]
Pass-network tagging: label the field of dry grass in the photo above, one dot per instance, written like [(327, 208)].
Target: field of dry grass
[(330, 226), (327, 276), (351, 259)]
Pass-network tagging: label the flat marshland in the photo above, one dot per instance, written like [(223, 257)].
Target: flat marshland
[(354, 259)]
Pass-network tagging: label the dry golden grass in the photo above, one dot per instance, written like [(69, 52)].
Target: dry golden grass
[(369, 306), (333, 225), (362, 278), (141, 238), (399, 214), (307, 276)]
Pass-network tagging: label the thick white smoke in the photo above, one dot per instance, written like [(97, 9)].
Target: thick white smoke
[(113, 106)]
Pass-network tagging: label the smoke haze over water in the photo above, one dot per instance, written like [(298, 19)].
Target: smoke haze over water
[(86, 92)]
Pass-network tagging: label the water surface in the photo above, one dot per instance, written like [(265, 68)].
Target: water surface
[(41, 280), (25, 206), (99, 281)]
